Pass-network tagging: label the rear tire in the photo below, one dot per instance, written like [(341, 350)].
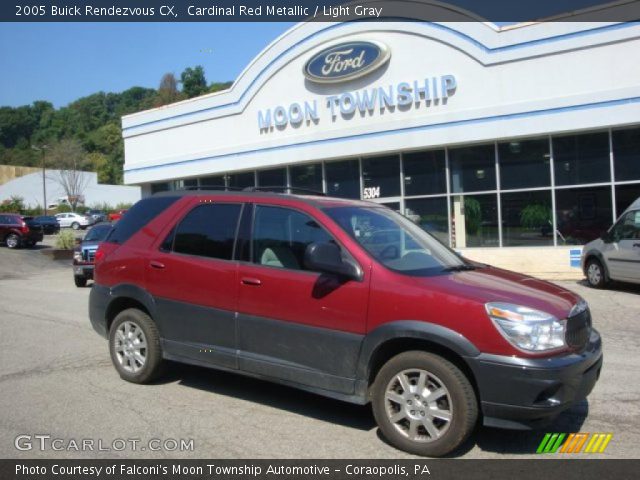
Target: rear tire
[(424, 404), (12, 240), (80, 281), (134, 345), (75, 225), (595, 273)]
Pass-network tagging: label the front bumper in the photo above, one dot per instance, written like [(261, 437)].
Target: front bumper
[(524, 393), (80, 270)]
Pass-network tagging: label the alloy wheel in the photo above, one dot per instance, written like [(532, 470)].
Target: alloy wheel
[(130, 345), (12, 241), (594, 274), (418, 405)]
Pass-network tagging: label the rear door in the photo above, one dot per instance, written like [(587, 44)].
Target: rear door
[(293, 323), (193, 279), (623, 255)]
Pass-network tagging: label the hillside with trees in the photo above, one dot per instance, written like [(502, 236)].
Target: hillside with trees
[(90, 125)]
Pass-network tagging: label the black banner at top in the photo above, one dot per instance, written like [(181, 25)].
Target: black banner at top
[(323, 11)]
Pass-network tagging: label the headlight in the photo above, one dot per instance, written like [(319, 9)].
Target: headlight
[(77, 256), (528, 329)]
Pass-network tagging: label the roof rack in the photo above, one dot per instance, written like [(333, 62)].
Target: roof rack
[(285, 189)]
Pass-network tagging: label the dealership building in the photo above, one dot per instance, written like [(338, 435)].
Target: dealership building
[(514, 145)]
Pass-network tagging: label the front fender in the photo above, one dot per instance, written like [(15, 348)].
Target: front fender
[(416, 330)]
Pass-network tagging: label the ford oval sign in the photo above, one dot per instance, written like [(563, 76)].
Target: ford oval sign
[(346, 61)]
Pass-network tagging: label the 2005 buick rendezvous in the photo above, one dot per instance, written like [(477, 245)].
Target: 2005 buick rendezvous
[(346, 299)]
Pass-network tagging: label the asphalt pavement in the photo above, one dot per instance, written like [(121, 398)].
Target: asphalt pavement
[(56, 380)]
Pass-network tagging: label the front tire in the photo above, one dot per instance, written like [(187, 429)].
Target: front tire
[(75, 225), (134, 345), (424, 404), (80, 281), (595, 273), (12, 240)]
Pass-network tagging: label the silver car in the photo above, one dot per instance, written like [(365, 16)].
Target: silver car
[(615, 255), (74, 220)]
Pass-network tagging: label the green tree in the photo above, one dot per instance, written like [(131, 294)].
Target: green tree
[(219, 86), (168, 90), (100, 164), (193, 81)]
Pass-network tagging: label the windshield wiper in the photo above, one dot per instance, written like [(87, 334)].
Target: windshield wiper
[(459, 268)]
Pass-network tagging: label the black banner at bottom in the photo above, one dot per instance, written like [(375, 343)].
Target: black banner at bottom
[(537, 469)]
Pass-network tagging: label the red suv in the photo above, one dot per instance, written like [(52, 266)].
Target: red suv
[(343, 298), (17, 231)]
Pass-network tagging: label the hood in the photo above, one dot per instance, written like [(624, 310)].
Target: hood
[(90, 245), (490, 284)]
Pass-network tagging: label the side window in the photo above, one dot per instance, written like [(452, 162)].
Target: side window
[(628, 228), (281, 236), (208, 231)]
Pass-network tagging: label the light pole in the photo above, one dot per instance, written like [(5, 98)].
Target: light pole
[(42, 149)]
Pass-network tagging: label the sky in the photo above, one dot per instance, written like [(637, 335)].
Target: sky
[(61, 62)]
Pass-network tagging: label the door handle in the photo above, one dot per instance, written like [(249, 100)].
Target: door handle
[(251, 281), (156, 264)]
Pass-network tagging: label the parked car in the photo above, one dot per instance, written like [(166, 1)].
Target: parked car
[(115, 216), (84, 253), (616, 254), (73, 220), (17, 231), (49, 224), (97, 215), (289, 289)]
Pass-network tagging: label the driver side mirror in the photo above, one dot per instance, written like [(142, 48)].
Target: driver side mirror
[(327, 258)]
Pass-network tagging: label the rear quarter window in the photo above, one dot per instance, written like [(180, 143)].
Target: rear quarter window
[(138, 216)]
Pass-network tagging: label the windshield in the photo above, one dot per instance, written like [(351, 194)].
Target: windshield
[(97, 233), (396, 242)]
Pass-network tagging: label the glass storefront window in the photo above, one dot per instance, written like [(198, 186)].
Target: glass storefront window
[(431, 215), (159, 187), (343, 179), (581, 158), (307, 176), (242, 180), (424, 173), (213, 181), (625, 196), (382, 175), (275, 177), (472, 168), (527, 219), (475, 221), (190, 183), (524, 163), (626, 153), (582, 214)]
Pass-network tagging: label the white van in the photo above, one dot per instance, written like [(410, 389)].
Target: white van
[(615, 255)]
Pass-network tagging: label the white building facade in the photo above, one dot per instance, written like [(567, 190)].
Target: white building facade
[(489, 138)]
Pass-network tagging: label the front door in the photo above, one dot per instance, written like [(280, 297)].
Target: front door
[(296, 324), (193, 279), (623, 255)]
